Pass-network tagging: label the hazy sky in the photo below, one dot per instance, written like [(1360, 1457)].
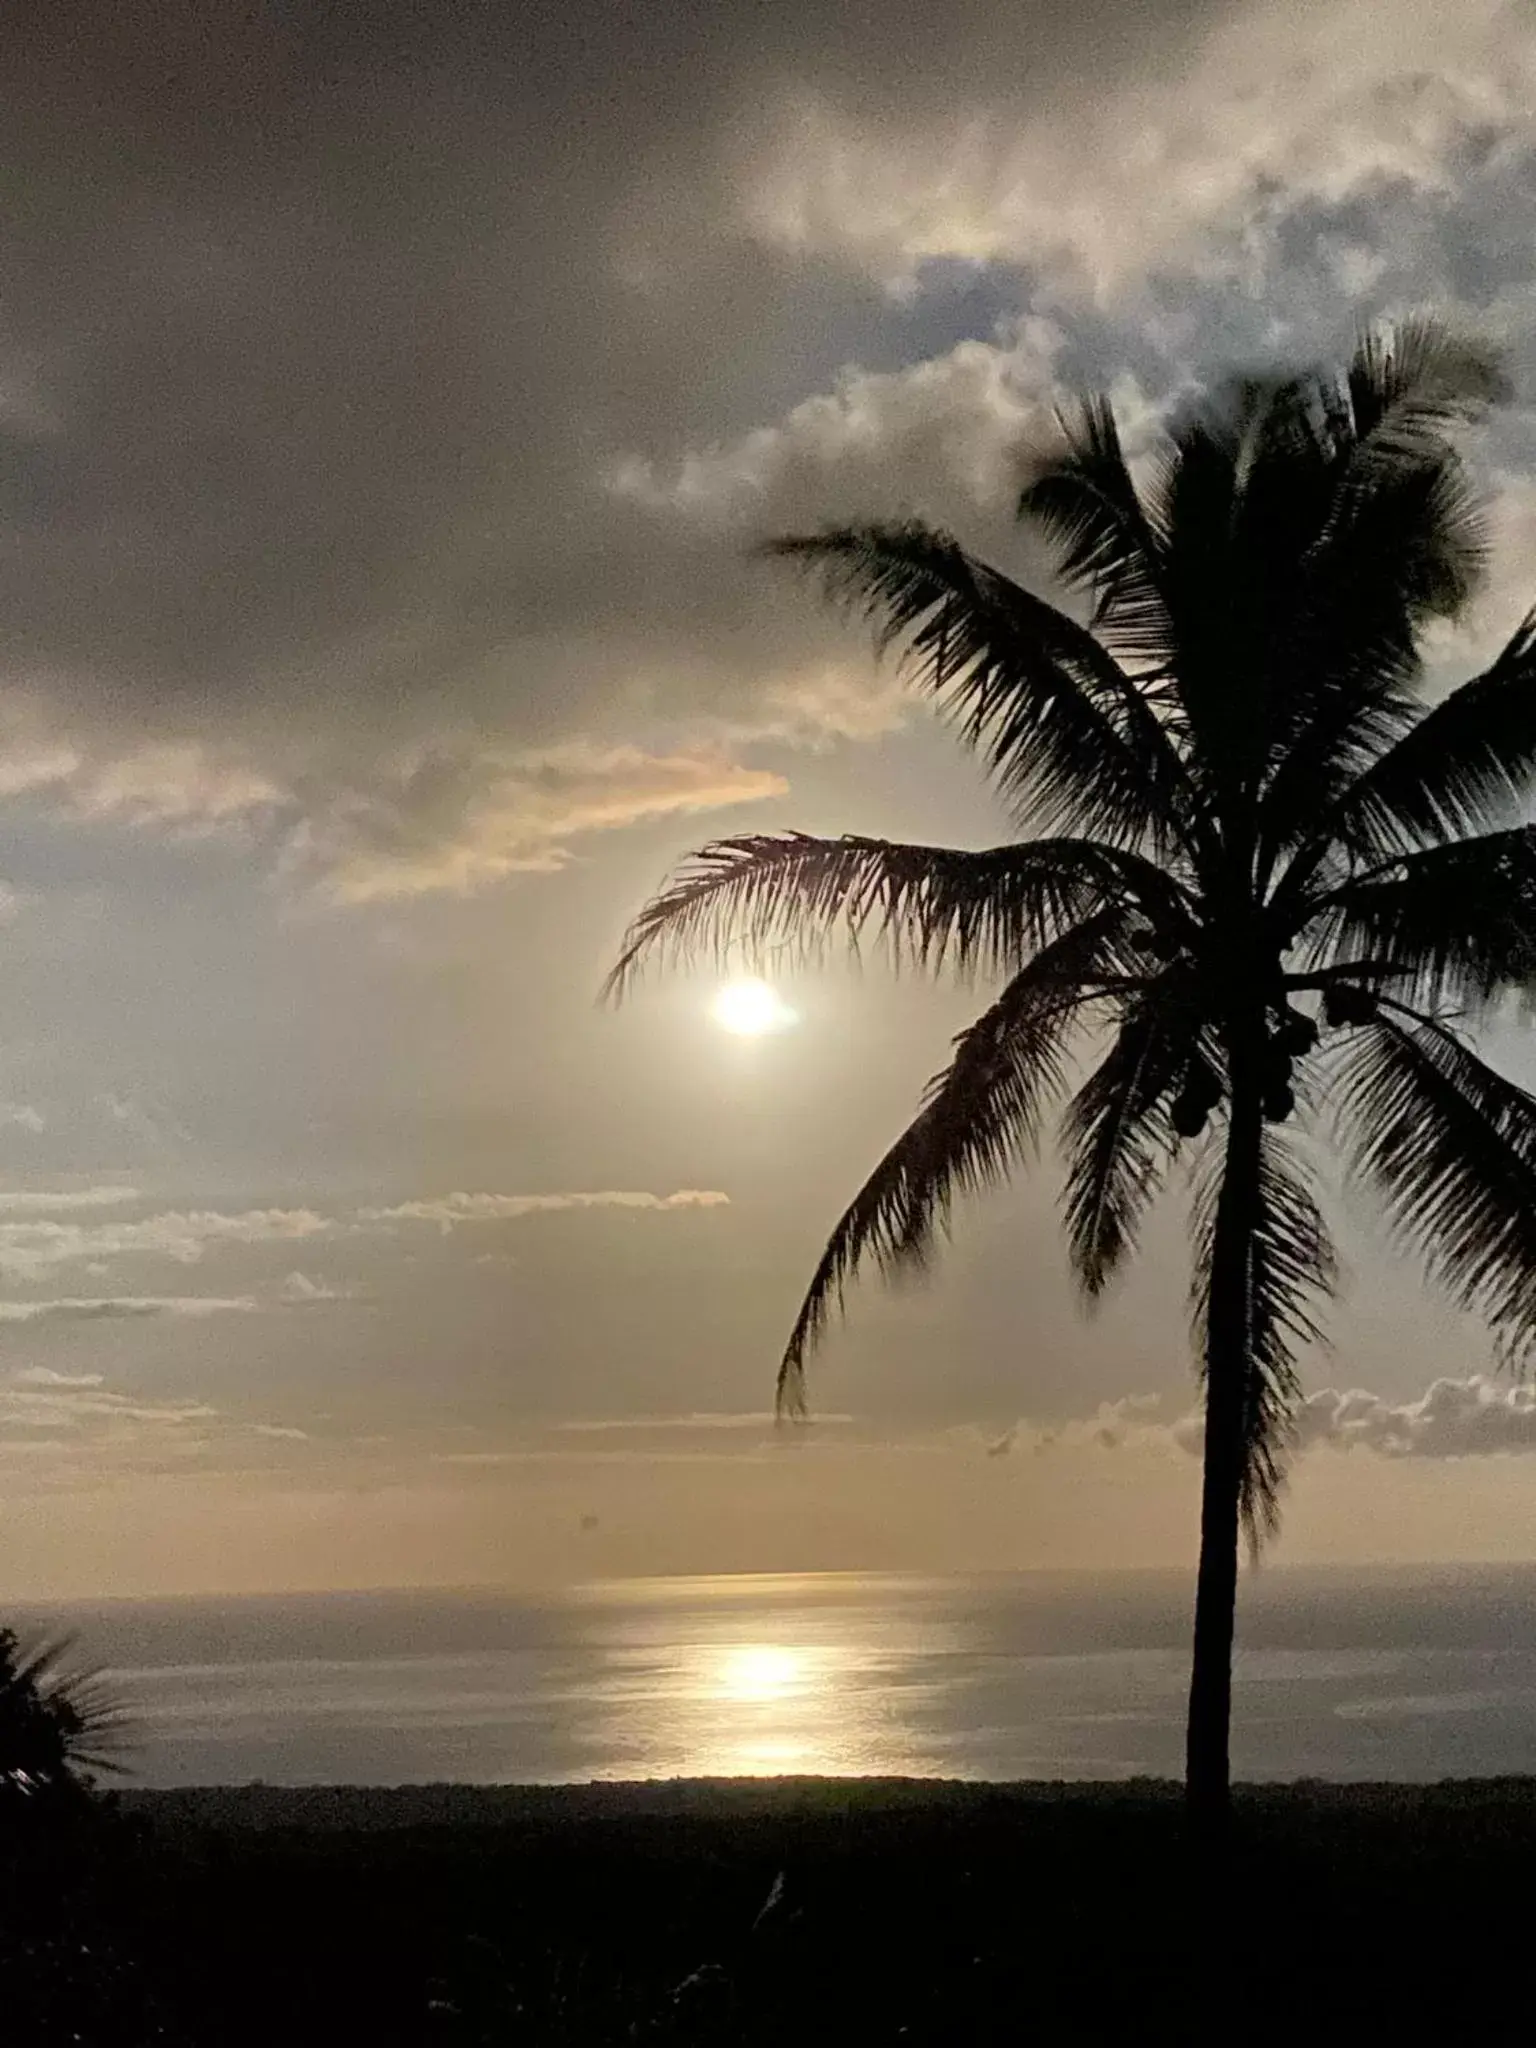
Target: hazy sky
[(388, 395)]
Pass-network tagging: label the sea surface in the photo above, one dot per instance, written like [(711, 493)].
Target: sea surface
[(1406, 1675)]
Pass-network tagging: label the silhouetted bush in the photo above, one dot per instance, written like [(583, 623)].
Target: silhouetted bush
[(894, 1913)]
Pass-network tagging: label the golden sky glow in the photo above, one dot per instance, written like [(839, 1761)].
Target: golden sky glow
[(383, 459)]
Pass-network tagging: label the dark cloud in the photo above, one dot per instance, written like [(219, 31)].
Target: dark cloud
[(326, 332)]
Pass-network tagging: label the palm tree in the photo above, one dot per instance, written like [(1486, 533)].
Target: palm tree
[(57, 1724), (1262, 877)]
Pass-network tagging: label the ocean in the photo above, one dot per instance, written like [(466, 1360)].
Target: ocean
[(1382, 1675)]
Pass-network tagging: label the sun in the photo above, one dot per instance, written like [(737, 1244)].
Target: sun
[(750, 1009)]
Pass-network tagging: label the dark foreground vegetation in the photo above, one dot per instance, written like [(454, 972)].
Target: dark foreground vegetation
[(799, 1911)]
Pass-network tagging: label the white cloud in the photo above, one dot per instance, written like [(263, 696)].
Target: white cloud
[(33, 1246), (46, 1201), (707, 1421), (459, 820), (123, 1308), (79, 1425), (181, 787), (95, 1410), (34, 1241), (447, 1210), (299, 1291), (1454, 1418), (21, 1115), (1467, 1418), (1155, 168), (943, 433), (1113, 1424), (154, 1125), (1473, 1417)]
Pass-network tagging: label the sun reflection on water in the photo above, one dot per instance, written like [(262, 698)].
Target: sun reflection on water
[(763, 1671), (759, 1709), (699, 1687)]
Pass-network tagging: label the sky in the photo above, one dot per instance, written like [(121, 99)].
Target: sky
[(390, 396)]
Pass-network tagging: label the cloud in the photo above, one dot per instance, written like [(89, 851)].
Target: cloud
[(1454, 1418), (707, 1421), (300, 1291), (154, 1126), (944, 430), (123, 1308), (64, 1425), (30, 1247), (312, 536), (21, 1116), (314, 541), (182, 788), (48, 1201), (33, 1240), (1225, 123), (447, 1210), (457, 821), (1113, 1424), (1467, 1418), (45, 1376), (94, 1411)]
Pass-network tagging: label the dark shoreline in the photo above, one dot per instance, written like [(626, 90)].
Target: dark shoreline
[(809, 1798), (758, 1911)]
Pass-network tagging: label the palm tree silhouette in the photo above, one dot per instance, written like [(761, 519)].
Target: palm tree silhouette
[(1269, 875), (57, 1724)]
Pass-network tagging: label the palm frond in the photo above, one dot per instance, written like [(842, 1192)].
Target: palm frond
[(930, 907), (1064, 730), (1313, 525), (1407, 531), (1411, 382), (1337, 743), (1410, 530), (980, 1117), (1084, 500), (1244, 492), (57, 1718), (1451, 1147), (1193, 512), (1451, 925), (1292, 1270), (1463, 767), (1117, 1130)]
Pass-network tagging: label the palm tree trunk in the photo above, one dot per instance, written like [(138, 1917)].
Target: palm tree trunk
[(1207, 1760)]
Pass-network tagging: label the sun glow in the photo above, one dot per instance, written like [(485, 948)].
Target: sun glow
[(757, 1672), (750, 1009)]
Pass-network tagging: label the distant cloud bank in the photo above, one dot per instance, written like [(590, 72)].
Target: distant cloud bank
[(1467, 1418), (52, 1201), (118, 1307), (1475, 1417), (447, 1210)]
